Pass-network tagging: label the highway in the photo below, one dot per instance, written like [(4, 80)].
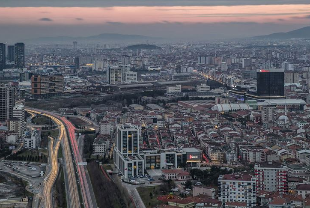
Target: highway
[(84, 183), (73, 196), (68, 138)]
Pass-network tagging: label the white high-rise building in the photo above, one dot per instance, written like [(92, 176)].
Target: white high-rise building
[(114, 75), (237, 187), (32, 140), (121, 74), (126, 152), (106, 128), (130, 77)]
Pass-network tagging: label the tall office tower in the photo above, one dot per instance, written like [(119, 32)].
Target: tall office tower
[(20, 55), (11, 53), (237, 187), (74, 45), (2, 56), (128, 139), (77, 62), (270, 83), (271, 177), (43, 86), (7, 102), (126, 152)]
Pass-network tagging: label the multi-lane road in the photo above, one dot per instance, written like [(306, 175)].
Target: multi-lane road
[(72, 188), (72, 160), (84, 183)]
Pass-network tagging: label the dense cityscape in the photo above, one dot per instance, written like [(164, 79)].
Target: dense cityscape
[(137, 123)]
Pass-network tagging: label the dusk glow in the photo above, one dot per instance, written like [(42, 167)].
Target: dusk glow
[(142, 15)]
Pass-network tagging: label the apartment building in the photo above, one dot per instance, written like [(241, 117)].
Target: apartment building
[(101, 145), (271, 177), (32, 139), (237, 187), (43, 86), (252, 154)]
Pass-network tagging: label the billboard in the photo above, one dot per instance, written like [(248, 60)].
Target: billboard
[(193, 157)]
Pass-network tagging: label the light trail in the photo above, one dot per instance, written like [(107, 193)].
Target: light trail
[(51, 177), (81, 169)]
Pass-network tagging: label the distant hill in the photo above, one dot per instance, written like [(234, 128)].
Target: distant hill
[(142, 46), (108, 37), (299, 33)]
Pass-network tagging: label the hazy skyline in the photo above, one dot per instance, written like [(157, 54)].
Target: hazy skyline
[(187, 19)]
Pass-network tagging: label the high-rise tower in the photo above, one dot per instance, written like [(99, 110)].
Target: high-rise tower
[(2, 56), (20, 55)]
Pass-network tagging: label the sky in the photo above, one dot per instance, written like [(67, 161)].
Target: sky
[(172, 19)]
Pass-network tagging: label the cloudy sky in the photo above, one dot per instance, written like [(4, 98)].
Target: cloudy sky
[(184, 19)]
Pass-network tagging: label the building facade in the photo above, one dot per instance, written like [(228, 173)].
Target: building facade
[(173, 89), (2, 56), (271, 177), (43, 86), (11, 53), (203, 88), (114, 75), (126, 153), (32, 139), (270, 83), (7, 101), (19, 51), (19, 113), (237, 187)]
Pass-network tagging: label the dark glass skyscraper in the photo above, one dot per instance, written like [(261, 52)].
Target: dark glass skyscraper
[(77, 62), (2, 56), (11, 53), (270, 83), (20, 55)]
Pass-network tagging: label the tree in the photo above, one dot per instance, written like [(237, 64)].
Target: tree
[(188, 184), (151, 195)]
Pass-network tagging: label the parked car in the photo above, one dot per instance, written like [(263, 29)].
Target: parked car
[(198, 183)]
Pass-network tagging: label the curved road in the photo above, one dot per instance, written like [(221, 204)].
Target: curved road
[(69, 168), (68, 139)]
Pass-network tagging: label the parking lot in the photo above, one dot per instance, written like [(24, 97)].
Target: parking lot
[(32, 170)]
